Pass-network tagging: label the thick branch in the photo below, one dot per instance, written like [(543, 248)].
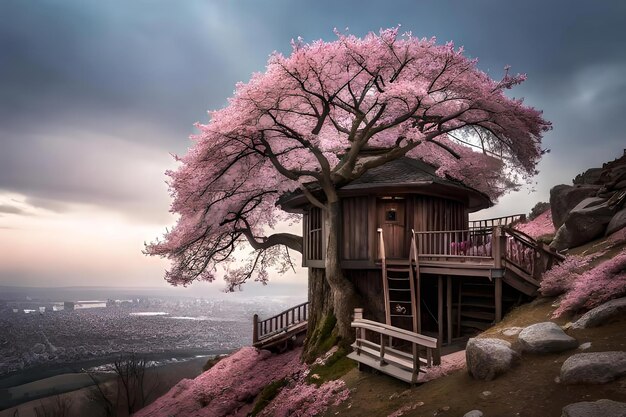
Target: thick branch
[(287, 239)]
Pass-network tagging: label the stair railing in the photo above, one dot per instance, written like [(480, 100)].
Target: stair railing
[(262, 329), (381, 254), (415, 284), (497, 221), (532, 257)]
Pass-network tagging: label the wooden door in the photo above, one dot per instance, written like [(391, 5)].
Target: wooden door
[(392, 219)]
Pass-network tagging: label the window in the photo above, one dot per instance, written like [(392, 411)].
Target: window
[(391, 215)]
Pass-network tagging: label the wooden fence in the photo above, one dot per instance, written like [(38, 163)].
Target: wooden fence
[(263, 329)]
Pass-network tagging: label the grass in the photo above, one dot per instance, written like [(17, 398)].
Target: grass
[(267, 395), (323, 338), (335, 367)]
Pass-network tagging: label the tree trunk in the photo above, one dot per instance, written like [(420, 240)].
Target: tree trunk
[(344, 296)]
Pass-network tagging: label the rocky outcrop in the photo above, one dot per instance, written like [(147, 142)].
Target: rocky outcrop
[(600, 408), (585, 222), (487, 358), (592, 207), (546, 337), (593, 368), (618, 222), (563, 198), (602, 314)]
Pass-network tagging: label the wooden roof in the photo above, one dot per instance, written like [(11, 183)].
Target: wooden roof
[(404, 176)]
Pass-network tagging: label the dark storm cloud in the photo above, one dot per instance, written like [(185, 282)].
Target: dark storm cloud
[(93, 95)]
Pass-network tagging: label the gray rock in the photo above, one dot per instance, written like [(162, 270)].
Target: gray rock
[(591, 176), (620, 185), (618, 222), (487, 358), (602, 314), (600, 408), (39, 348), (585, 346), (474, 413), (512, 331), (593, 368), (546, 337), (563, 198), (585, 222)]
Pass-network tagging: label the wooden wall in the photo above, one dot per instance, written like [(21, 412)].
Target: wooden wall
[(361, 216), (355, 228)]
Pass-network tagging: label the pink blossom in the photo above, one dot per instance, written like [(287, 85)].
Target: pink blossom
[(540, 226), (600, 284)]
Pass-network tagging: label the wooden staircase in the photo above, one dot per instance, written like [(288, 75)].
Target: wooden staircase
[(401, 289), (478, 305)]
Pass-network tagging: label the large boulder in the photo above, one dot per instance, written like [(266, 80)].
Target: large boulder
[(600, 408), (546, 337), (585, 222), (486, 358), (591, 176), (618, 222), (602, 314), (593, 367), (563, 198)]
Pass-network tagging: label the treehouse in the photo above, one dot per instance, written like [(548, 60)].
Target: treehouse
[(426, 275)]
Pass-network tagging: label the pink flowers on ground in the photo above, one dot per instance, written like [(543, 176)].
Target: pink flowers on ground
[(304, 400), (596, 286), (540, 226), (560, 278)]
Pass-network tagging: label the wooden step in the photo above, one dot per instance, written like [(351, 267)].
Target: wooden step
[(478, 294), (480, 302), (482, 315), (397, 279), (475, 324), (397, 269)]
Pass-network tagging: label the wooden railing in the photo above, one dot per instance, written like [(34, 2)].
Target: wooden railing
[(497, 221), (263, 329), (424, 350), (383, 261), (451, 243)]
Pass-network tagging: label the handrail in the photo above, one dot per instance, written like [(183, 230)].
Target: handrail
[(415, 285), (467, 243), (416, 341), (381, 253), (497, 221), (263, 329)]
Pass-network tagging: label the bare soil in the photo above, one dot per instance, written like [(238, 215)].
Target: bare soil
[(528, 390)]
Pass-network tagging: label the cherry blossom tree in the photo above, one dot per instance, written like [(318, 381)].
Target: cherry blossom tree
[(304, 123)]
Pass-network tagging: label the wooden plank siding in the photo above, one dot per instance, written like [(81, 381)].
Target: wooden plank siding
[(362, 215), (355, 228)]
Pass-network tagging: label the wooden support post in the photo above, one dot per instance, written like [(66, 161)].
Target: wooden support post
[(255, 328), (458, 312), (416, 364), (449, 307), (498, 299), (437, 352), (382, 349), (439, 311)]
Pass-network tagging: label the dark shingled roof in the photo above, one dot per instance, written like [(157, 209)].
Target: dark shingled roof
[(402, 172)]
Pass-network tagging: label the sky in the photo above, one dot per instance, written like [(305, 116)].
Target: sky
[(95, 96)]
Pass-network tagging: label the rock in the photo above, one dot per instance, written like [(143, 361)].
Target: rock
[(591, 176), (39, 348), (620, 185), (563, 198), (546, 337), (585, 222), (474, 413), (512, 331), (600, 408), (593, 368), (487, 358), (585, 346), (618, 222), (602, 314)]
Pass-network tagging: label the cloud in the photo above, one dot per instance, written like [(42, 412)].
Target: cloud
[(10, 209)]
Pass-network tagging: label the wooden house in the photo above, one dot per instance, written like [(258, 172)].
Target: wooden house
[(417, 261)]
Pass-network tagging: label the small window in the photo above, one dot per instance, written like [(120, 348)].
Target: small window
[(391, 215)]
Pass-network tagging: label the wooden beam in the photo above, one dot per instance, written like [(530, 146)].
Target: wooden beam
[(449, 307), (440, 308), (498, 299)]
